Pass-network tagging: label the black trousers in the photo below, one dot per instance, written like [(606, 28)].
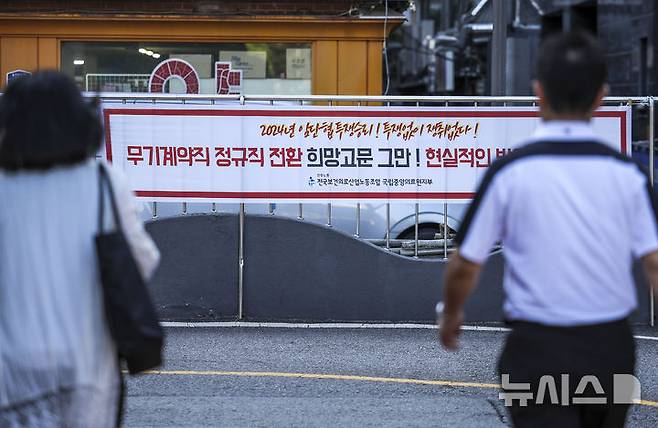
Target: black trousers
[(534, 350)]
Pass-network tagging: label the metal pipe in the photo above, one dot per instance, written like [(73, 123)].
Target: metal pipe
[(241, 263), (499, 46), (652, 299), (388, 213), (214, 207), (184, 207), (241, 252), (651, 138), (517, 14), (155, 210), (421, 253), (331, 103), (358, 220), (300, 208), (445, 230), (341, 98), (416, 233), (270, 207), (416, 220), (388, 226)]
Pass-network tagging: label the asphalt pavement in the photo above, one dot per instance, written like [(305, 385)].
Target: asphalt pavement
[(300, 377)]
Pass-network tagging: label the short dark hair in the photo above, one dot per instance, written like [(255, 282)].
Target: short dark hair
[(45, 122), (571, 70)]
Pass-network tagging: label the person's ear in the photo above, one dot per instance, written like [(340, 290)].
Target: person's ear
[(538, 90)]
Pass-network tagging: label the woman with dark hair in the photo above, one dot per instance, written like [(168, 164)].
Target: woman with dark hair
[(58, 363)]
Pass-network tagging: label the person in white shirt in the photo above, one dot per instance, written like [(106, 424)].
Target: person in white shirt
[(571, 214), (58, 362)]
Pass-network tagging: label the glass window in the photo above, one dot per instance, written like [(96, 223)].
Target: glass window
[(266, 68)]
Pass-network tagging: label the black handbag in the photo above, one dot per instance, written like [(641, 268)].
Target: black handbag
[(130, 313)]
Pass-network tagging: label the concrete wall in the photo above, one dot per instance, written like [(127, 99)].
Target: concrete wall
[(297, 271)]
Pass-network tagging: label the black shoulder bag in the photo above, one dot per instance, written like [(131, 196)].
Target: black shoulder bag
[(129, 310)]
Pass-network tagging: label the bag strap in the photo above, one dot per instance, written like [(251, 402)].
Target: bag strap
[(103, 182)]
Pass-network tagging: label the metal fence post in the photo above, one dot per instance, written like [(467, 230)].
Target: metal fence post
[(300, 208), (270, 206), (445, 230), (416, 232), (388, 226), (213, 207), (241, 252), (358, 220), (388, 213), (417, 206), (652, 299), (155, 204), (331, 104), (241, 262), (358, 206), (184, 206)]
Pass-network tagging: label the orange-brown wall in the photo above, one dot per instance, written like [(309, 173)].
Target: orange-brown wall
[(346, 53)]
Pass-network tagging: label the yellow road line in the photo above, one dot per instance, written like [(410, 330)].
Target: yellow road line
[(324, 376), (452, 383), (647, 403)]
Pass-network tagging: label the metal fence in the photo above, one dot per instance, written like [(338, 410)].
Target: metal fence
[(116, 82), (643, 125)]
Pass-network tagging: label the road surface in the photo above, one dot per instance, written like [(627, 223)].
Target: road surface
[(286, 377)]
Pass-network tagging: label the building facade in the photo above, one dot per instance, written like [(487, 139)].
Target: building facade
[(446, 46), (288, 48)]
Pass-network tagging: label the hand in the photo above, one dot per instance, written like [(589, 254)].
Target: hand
[(449, 329)]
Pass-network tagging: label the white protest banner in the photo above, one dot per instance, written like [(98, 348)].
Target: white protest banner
[(263, 153)]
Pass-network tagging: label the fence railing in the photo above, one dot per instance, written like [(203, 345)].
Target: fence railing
[(646, 102)]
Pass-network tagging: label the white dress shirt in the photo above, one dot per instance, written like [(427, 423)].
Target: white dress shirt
[(572, 214)]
